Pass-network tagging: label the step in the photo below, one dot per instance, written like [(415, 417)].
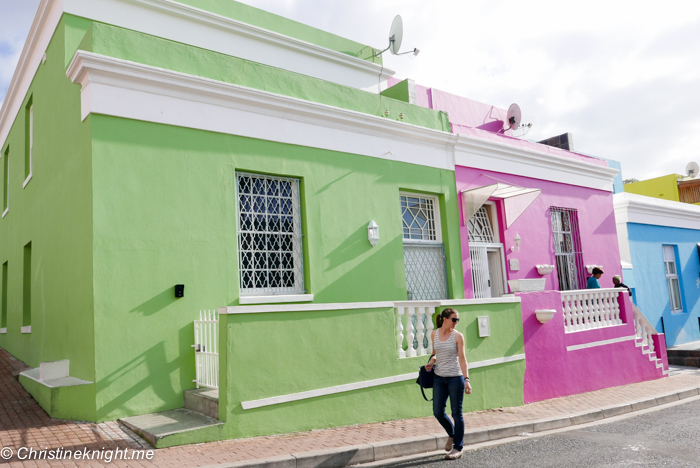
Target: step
[(683, 353), (157, 427), (684, 361), (203, 400)]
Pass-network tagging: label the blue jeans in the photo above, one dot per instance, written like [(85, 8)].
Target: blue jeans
[(454, 388)]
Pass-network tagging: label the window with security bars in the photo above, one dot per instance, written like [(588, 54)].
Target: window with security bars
[(672, 280), (567, 248), (269, 235), (424, 253), (479, 227)]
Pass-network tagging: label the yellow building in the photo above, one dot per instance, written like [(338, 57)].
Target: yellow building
[(674, 187)]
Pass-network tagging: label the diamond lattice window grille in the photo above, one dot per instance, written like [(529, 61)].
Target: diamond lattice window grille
[(479, 227), (426, 277), (418, 215), (269, 235)]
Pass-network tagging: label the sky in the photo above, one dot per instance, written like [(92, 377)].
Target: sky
[(622, 77)]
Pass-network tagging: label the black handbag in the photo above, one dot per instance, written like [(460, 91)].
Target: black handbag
[(425, 379)]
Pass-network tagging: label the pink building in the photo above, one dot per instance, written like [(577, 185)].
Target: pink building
[(534, 221)]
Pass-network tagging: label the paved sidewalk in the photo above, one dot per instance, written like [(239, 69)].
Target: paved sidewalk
[(24, 424)]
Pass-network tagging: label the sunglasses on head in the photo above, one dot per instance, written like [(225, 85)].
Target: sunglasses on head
[(455, 320)]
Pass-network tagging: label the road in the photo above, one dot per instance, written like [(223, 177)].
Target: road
[(666, 438)]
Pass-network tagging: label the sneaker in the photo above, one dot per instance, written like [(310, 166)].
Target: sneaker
[(449, 444), (453, 455)]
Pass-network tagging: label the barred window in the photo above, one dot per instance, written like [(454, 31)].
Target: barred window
[(567, 248), (479, 227), (424, 253), (269, 235)]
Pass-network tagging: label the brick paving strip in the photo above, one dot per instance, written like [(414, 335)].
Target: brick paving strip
[(24, 424)]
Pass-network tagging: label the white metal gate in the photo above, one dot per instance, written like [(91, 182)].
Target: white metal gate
[(488, 267), (206, 349)]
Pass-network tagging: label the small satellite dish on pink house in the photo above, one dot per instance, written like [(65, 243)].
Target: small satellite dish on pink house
[(513, 118)]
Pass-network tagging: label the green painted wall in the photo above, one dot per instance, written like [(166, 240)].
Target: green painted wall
[(312, 350), (400, 91), (165, 213), (150, 50), (54, 213), (665, 187), (279, 24)]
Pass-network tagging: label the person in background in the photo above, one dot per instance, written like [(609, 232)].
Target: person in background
[(617, 281), (593, 280)]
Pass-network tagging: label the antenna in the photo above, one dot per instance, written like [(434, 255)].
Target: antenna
[(513, 118), (396, 38), (691, 169)]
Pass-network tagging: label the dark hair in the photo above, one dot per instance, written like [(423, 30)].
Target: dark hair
[(446, 313), (597, 271)]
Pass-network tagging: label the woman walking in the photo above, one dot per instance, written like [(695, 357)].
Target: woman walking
[(451, 379)]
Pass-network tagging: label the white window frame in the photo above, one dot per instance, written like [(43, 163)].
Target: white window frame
[(31, 146), (269, 294), (669, 253), (6, 180), (436, 211), (496, 246)]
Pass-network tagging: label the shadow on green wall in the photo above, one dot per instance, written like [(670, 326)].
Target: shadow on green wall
[(157, 389), (156, 303)]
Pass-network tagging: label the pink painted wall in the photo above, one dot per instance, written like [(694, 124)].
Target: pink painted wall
[(469, 117), (596, 226), (552, 371)]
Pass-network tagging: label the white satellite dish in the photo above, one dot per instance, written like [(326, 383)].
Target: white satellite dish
[(396, 35), (396, 38), (513, 117), (692, 169)]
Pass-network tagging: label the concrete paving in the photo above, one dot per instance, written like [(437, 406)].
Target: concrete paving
[(24, 424)]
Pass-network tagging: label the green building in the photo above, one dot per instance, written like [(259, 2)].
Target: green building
[(161, 158)]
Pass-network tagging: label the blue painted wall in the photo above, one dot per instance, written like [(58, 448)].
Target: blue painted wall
[(618, 186), (646, 243)]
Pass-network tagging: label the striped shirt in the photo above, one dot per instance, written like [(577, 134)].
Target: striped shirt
[(447, 363)]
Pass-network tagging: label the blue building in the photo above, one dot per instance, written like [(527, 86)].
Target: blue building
[(659, 251)]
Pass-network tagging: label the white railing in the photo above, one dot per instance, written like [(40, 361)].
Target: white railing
[(414, 324), (643, 329), (586, 309), (206, 349)]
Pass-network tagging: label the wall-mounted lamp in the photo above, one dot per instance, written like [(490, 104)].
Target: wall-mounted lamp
[(179, 290), (517, 241), (373, 233)]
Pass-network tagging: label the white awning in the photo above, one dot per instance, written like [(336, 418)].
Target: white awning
[(515, 199)]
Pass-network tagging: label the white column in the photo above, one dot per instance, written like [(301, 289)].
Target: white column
[(410, 331), (422, 311), (399, 331)]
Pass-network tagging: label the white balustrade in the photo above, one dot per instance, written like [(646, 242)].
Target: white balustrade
[(585, 309), (643, 329), (417, 338)]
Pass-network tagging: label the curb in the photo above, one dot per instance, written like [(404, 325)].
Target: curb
[(379, 451)]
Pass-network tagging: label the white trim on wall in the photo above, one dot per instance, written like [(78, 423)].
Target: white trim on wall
[(259, 309), (594, 344), (246, 405), (27, 329), (3, 331), (500, 157), (45, 21), (135, 91), (276, 299), (192, 26), (633, 208), (131, 90)]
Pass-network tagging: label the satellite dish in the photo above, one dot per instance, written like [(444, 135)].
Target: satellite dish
[(513, 117), (692, 169), (396, 35)]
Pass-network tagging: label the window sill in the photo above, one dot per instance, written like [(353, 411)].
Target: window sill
[(3, 331), (4, 213), (26, 181), (27, 329), (275, 299)]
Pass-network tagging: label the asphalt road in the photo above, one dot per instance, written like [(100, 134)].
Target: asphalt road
[(669, 437)]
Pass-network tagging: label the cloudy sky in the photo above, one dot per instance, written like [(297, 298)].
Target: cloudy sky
[(623, 77)]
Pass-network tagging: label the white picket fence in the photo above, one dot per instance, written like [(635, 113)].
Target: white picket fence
[(416, 319), (585, 309), (206, 349)]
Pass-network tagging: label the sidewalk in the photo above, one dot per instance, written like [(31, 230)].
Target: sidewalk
[(24, 424)]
